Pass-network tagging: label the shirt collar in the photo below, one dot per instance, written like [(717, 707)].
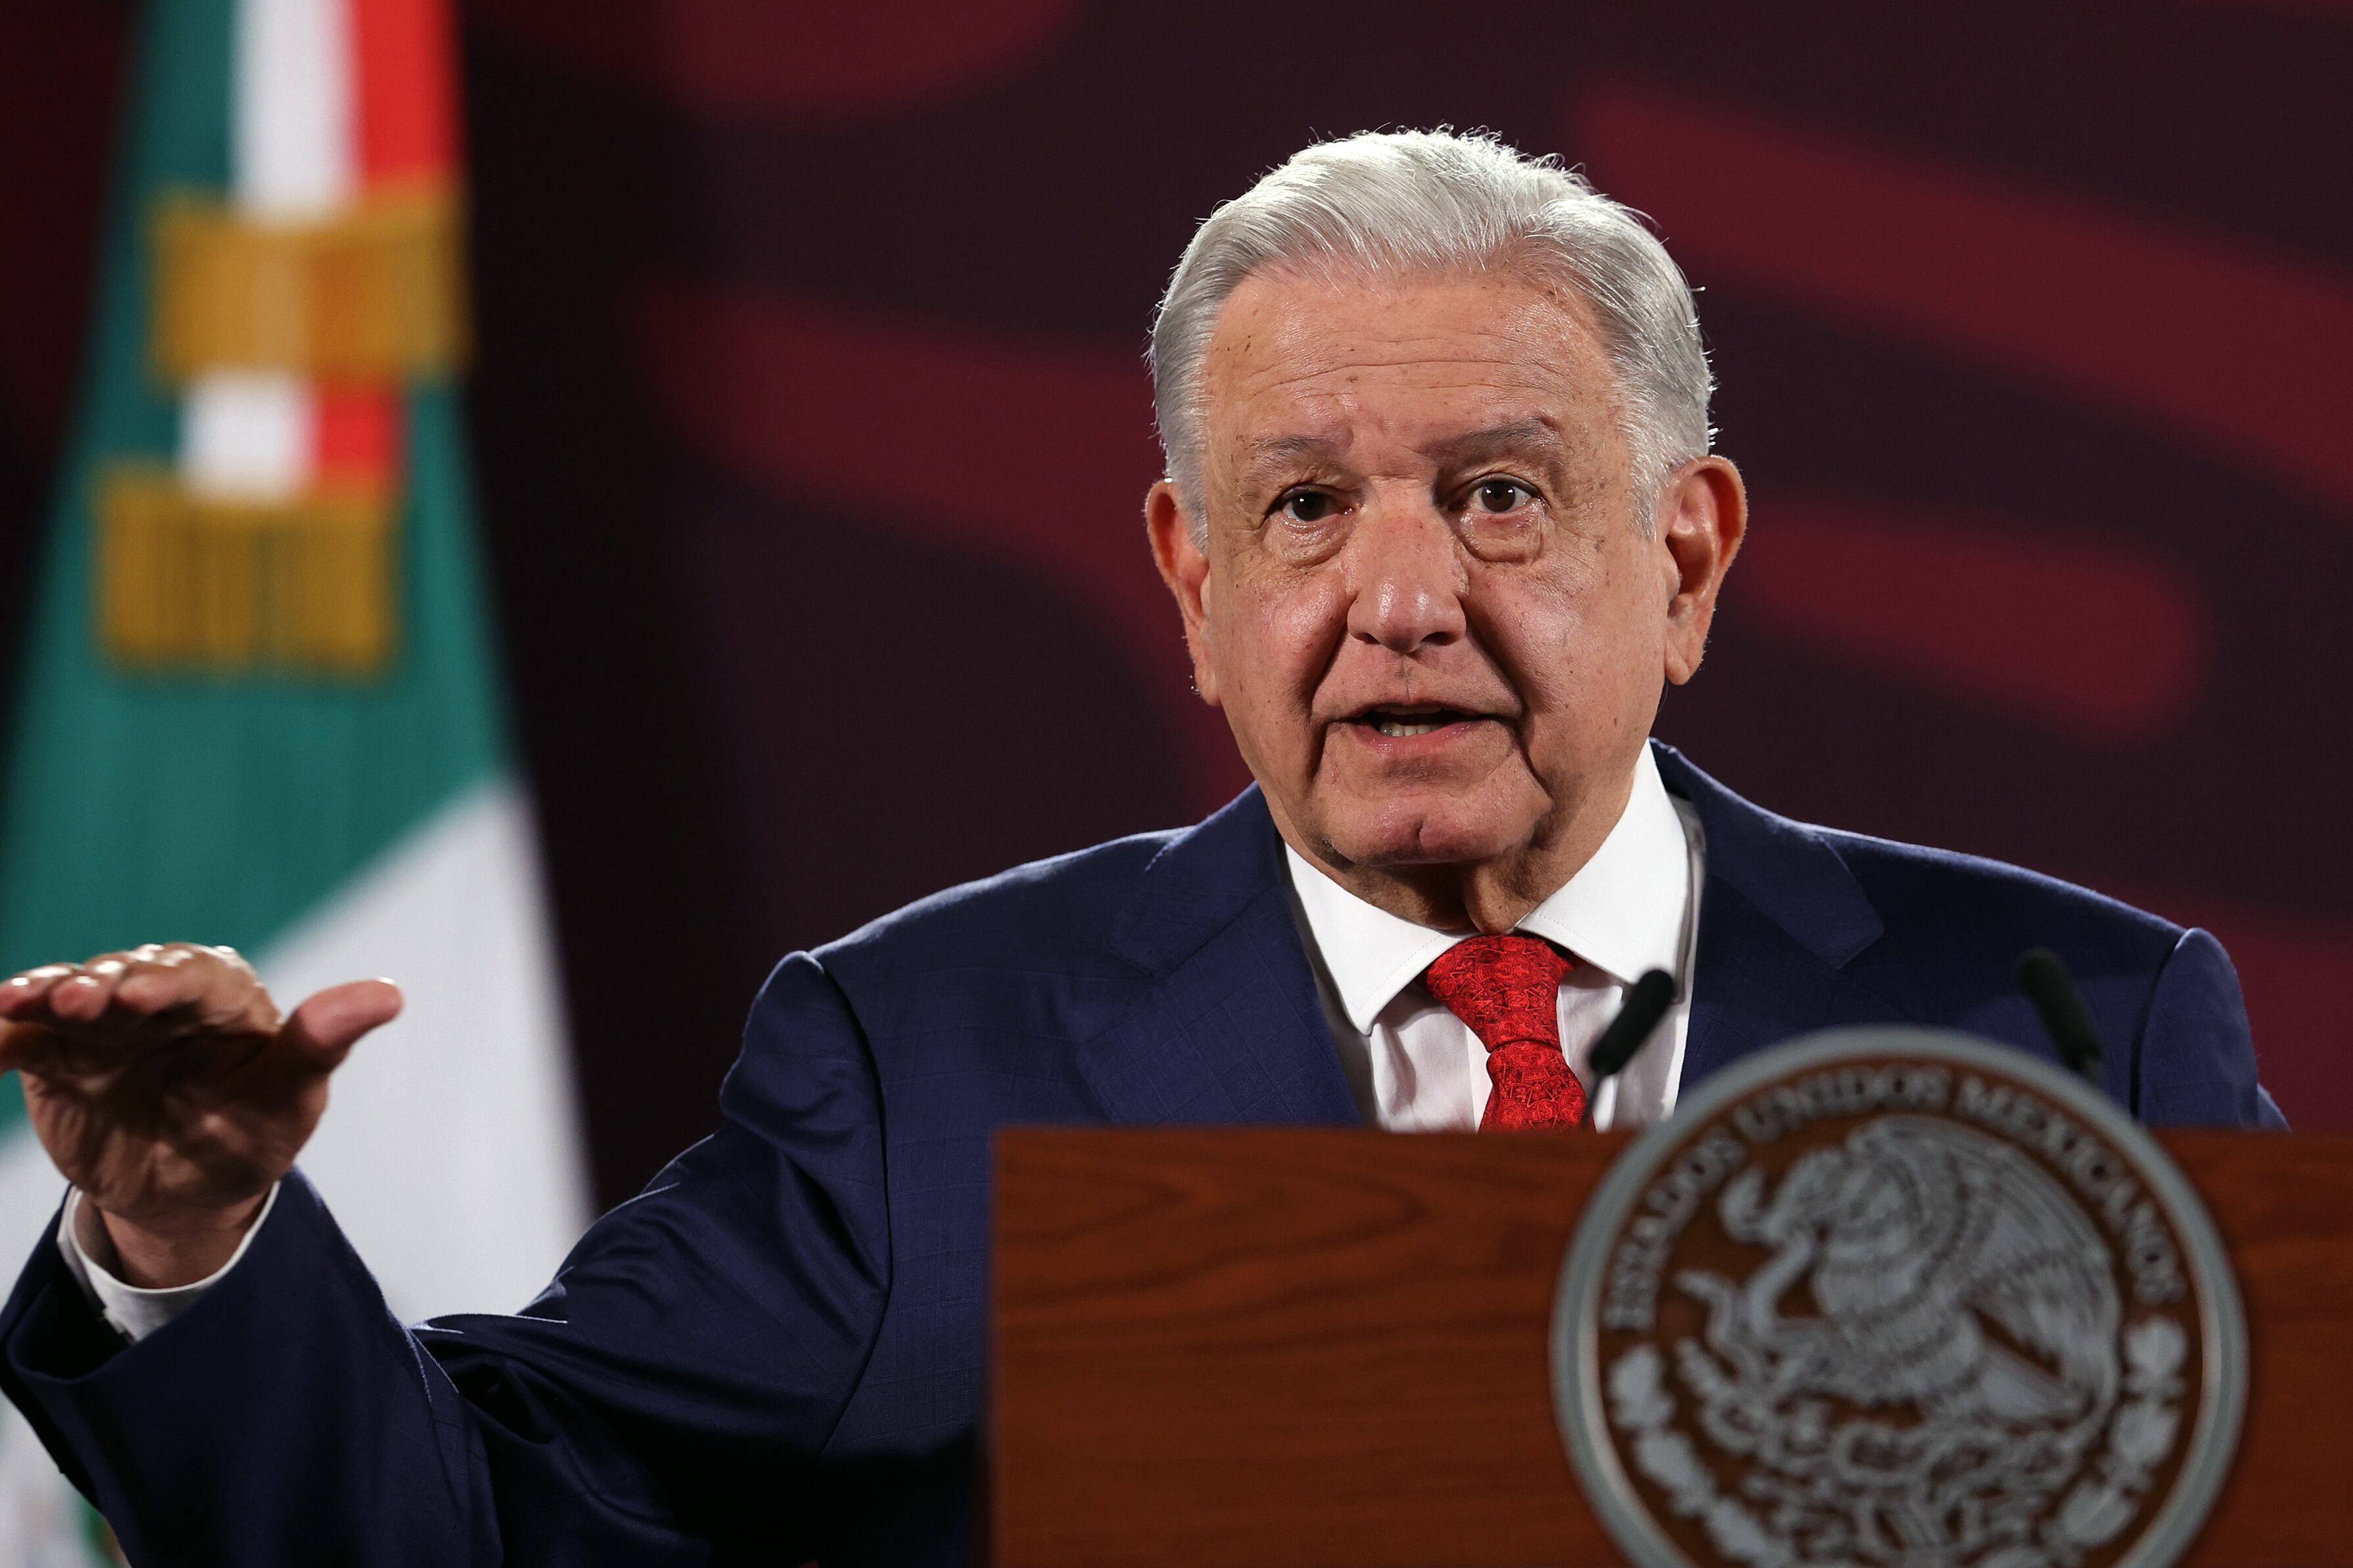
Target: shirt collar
[(1623, 912)]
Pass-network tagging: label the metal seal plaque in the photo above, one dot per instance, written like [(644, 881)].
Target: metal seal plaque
[(1898, 1299)]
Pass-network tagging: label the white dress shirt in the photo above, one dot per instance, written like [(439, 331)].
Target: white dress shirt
[(1413, 1065), (135, 1312), (1634, 908)]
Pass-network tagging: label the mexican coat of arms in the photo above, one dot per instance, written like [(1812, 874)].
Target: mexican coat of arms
[(1889, 1298)]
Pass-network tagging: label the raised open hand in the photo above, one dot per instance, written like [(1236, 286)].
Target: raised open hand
[(167, 1087)]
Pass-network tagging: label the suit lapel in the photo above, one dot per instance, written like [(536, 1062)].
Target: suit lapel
[(1780, 921), (1758, 985), (1227, 1026)]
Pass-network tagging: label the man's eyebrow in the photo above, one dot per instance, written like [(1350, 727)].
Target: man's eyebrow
[(1270, 451), (1513, 435)]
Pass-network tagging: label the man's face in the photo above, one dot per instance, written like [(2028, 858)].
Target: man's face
[(1425, 603)]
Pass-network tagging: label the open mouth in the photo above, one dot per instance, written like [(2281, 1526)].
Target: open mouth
[(1398, 722)]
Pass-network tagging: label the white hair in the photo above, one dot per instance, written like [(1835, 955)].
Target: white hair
[(1410, 203)]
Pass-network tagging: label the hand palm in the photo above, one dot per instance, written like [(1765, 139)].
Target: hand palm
[(164, 1083), (174, 1121)]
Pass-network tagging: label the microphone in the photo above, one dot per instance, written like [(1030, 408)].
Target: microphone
[(2065, 1019), (1646, 1003)]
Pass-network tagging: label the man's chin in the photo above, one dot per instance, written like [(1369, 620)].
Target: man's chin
[(1425, 831)]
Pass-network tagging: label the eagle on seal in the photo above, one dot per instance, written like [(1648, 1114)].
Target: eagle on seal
[(1912, 1237), (1962, 1356)]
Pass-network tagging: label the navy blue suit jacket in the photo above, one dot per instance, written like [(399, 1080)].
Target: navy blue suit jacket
[(774, 1352)]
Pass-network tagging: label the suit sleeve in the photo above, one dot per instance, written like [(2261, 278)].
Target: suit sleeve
[(2197, 1058), (668, 1397)]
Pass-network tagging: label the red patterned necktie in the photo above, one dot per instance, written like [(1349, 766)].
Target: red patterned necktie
[(1507, 989)]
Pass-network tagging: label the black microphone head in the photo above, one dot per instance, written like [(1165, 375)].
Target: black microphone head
[(1646, 1003), (2043, 976), (2040, 970)]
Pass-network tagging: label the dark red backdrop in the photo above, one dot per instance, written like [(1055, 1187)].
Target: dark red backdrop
[(812, 426)]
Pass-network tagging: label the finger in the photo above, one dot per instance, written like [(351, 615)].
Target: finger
[(24, 1048), (157, 979), (82, 997), (234, 997), (27, 993), (326, 1027)]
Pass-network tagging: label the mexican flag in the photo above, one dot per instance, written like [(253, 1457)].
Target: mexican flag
[(259, 702)]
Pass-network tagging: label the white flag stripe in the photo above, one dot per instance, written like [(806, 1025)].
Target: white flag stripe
[(248, 435), (44, 1523), (450, 1152), (294, 144)]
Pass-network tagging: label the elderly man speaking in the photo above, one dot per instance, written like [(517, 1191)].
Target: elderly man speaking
[(1441, 519)]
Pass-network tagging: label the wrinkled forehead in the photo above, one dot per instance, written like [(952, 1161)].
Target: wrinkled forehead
[(1300, 362)]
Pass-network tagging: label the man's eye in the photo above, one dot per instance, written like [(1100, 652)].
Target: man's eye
[(1502, 495), (1307, 506)]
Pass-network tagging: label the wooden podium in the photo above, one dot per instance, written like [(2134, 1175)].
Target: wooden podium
[(1321, 1347)]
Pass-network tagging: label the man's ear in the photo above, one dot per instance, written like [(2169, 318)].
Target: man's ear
[(1701, 519), (1187, 571)]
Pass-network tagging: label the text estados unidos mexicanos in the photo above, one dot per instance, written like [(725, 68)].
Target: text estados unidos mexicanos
[(2113, 1193)]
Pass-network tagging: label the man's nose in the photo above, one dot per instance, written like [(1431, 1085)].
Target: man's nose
[(1407, 579)]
